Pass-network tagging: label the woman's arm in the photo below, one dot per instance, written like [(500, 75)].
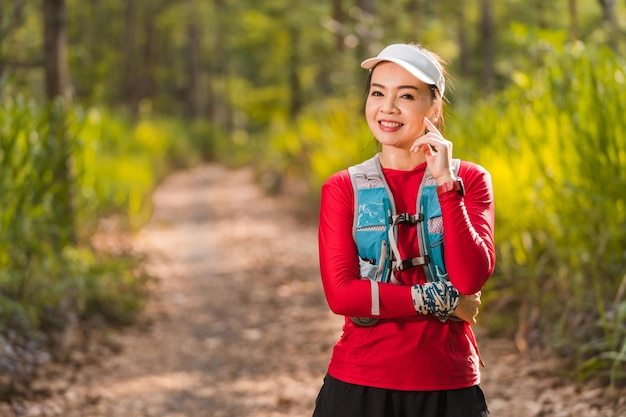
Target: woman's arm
[(346, 293), (468, 224)]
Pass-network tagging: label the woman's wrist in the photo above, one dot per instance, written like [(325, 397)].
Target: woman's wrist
[(446, 177)]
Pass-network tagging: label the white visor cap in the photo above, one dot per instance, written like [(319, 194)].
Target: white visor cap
[(409, 57)]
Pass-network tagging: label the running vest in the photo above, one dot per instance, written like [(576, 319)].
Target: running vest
[(375, 229)]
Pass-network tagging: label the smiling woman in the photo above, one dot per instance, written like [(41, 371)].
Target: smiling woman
[(407, 348), (397, 104)]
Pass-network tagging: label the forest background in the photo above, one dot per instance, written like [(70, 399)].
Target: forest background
[(101, 99)]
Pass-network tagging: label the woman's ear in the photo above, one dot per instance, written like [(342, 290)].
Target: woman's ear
[(434, 113)]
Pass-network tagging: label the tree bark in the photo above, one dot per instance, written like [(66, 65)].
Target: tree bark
[(608, 12), (149, 55), (368, 12), (573, 19), (55, 49), (464, 52), (610, 20), (542, 20), (193, 62), (367, 6), (220, 112), (295, 99), (487, 45), (130, 94), (60, 154), (339, 21)]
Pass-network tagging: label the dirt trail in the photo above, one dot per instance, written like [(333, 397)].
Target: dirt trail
[(239, 327)]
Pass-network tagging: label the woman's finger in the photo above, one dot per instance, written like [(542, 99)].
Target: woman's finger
[(431, 126)]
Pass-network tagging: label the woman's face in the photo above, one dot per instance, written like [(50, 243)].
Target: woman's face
[(397, 104)]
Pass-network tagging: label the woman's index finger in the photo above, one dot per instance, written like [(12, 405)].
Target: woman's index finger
[(431, 126)]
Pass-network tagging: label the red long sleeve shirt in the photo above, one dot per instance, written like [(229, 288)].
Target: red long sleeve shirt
[(406, 351)]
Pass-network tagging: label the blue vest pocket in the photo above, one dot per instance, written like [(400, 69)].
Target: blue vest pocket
[(372, 209)]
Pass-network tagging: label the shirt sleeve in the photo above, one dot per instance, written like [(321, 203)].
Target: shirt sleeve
[(468, 224), (346, 293)]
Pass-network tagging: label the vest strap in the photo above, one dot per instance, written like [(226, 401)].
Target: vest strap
[(410, 263), (375, 298), (406, 218)]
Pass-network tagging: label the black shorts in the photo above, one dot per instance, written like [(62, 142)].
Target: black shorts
[(340, 399)]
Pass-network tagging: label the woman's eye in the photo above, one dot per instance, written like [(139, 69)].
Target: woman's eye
[(408, 97), (377, 94)]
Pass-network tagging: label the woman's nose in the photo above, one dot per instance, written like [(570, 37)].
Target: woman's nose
[(388, 105)]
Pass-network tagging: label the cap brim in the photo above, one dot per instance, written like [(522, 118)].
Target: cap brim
[(416, 72)]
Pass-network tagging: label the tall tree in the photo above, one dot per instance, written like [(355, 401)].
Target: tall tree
[(8, 24), (55, 49), (542, 14), (56, 75), (220, 112), (368, 13), (295, 96), (367, 6), (338, 25), (193, 61), (464, 52), (573, 19), (487, 45), (151, 51), (610, 20), (129, 90)]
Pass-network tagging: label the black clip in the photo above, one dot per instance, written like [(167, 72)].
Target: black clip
[(410, 263), (406, 218)]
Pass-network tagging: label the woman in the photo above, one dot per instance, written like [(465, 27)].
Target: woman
[(407, 348)]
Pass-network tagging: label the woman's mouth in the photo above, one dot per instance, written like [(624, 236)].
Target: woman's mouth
[(387, 125)]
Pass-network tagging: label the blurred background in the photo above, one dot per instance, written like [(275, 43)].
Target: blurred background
[(100, 100)]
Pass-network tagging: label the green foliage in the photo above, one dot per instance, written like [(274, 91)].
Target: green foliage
[(112, 287), (32, 153), (46, 261), (121, 161), (555, 144), (324, 139)]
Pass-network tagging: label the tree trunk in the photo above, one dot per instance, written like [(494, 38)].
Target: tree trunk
[(464, 52), (219, 107), (367, 6), (487, 45), (56, 75), (55, 49), (295, 99), (368, 11), (610, 20), (573, 19), (608, 12), (542, 19), (338, 22), (150, 56), (193, 62), (130, 95), (416, 10)]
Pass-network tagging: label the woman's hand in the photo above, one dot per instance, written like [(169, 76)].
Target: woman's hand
[(467, 310), (438, 153)]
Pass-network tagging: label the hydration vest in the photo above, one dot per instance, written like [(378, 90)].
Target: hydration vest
[(375, 229)]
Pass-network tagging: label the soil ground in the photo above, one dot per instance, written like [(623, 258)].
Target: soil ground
[(238, 326)]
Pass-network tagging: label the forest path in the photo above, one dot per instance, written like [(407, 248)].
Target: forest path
[(239, 326)]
